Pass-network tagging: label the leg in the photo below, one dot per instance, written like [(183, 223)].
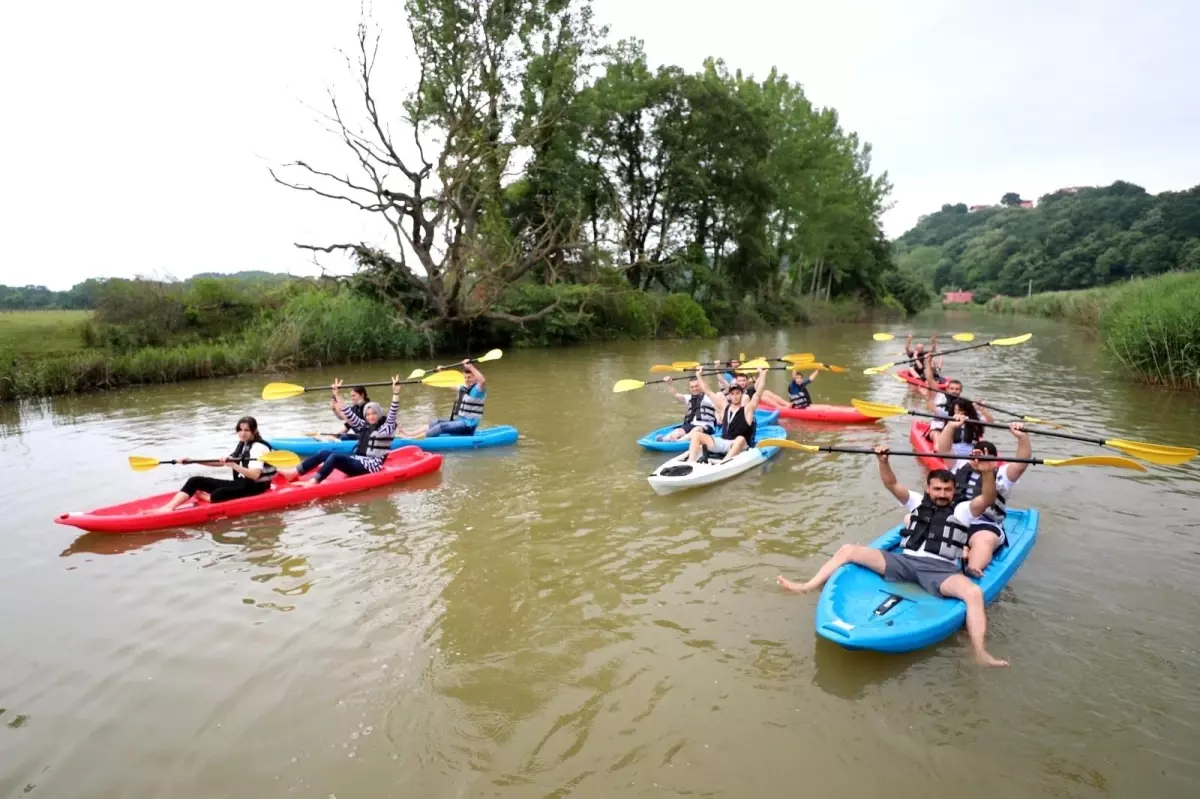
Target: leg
[(240, 490), (193, 486), (698, 440), (309, 463), (676, 434), (346, 464), (457, 428), (983, 545), (960, 587), (738, 445), (435, 428), (848, 553), (773, 400)]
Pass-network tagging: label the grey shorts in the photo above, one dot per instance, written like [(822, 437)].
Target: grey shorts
[(721, 445), (925, 572)]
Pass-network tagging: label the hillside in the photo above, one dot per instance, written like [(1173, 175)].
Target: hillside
[(1072, 239)]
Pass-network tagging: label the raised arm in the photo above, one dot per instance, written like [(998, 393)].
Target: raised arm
[(987, 492), (718, 399), (908, 345), (480, 380), (945, 438), (930, 380), (890, 481), (389, 424), (1024, 450), (671, 388), (759, 383), (722, 383), (981, 406)]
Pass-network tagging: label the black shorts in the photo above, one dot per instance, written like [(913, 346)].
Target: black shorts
[(988, 527)]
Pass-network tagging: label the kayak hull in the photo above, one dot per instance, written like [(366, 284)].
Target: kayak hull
[(831, 414), (859, 610), (497, 436), (916, 436), (702, 474), (911, 377), (132, 517), (651, 440)]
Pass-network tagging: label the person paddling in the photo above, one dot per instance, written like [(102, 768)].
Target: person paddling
[(358, 400), (798, 396), (375, 434), (736, 415), (701, 412), (247, 481), (931, 546), (923, 366), (986, 534)]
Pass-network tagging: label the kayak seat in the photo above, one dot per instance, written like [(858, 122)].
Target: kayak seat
[(678, 470)]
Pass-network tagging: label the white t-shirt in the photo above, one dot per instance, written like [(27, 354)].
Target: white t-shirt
[(1004, 484), (940, 405), (962, 514)]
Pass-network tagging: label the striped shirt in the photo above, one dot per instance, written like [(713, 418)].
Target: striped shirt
[(370, 463)]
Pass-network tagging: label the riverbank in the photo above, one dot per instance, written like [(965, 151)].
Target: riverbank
[(47, 353), (1150, 326)]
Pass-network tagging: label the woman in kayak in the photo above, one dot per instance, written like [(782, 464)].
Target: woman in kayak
[(961, 435), (247, 481), (797, 392), (358, 401), (374, 441)]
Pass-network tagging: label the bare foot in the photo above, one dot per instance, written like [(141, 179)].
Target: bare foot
[(788, 585), (312, 481), (984, 659)]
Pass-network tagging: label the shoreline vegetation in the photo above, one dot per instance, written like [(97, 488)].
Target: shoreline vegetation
[(1151, 326), (153, 333)]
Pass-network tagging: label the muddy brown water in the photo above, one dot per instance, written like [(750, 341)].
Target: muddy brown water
[(534, 621)]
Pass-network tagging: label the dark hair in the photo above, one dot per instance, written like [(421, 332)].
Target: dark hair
[(736, 387), (987, 447), (945, 475), (252, 423), (954, 380), (362, 392), (974, 432)]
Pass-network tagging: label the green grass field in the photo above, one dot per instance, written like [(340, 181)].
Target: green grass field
[(41, 332)]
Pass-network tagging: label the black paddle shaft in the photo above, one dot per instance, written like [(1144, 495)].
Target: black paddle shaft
[(865, 451), (1036, 430)]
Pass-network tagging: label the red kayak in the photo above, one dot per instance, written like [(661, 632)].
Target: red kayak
[(139, 516), (834, 414), (911, 377), (916, 435)]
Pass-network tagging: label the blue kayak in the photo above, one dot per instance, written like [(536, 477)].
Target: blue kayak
[(859, 610), (498, 436), (650, 440)]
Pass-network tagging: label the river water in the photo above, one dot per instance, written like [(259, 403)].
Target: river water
[(535, 622)]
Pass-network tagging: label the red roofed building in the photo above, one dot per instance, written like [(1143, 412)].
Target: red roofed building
[(958, 297), (1025, 204)]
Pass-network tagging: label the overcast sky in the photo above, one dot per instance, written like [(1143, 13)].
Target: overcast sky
[(135, 136)]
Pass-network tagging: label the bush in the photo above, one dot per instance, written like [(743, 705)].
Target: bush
[(1153, 328), (912, 295)]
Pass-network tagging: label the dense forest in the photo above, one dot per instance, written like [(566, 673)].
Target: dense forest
[(1072, 239)]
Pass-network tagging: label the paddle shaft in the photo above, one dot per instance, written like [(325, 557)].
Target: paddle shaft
[(937, 353), (1085, 439), (865, 451), (347, 384), (992, 407)]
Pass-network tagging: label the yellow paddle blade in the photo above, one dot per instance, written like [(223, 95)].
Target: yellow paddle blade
[(877, 370), (281, 458), (798, 357), (683, 365), (1099, 460), (786, 444), (415, 374), (877, 409), (1155, 453), (491, 355), (447, 379), (278, 391), (963, 337), (753, 366), (837, 370), (659, 368), (140, 463), (627, 385), (883, 337), (741, 356), (1035, 420), (1008, 342)]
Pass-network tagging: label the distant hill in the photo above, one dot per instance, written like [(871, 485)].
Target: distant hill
[(82, 295), (1073, 238)]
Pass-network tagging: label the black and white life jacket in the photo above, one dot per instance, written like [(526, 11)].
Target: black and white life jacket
[(799, 394), (935, 530), (242, 455), (968, 484), (701, 412), (371, 444), (467, 406)]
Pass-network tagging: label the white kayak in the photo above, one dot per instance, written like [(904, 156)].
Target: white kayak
[(677, 475)]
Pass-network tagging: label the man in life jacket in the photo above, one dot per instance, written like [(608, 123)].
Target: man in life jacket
[(735, 414), (798, 396), (939, 400), (727, 378), (921, 366), (701, 413), (466, 412), (931, 547), (987, 530)]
